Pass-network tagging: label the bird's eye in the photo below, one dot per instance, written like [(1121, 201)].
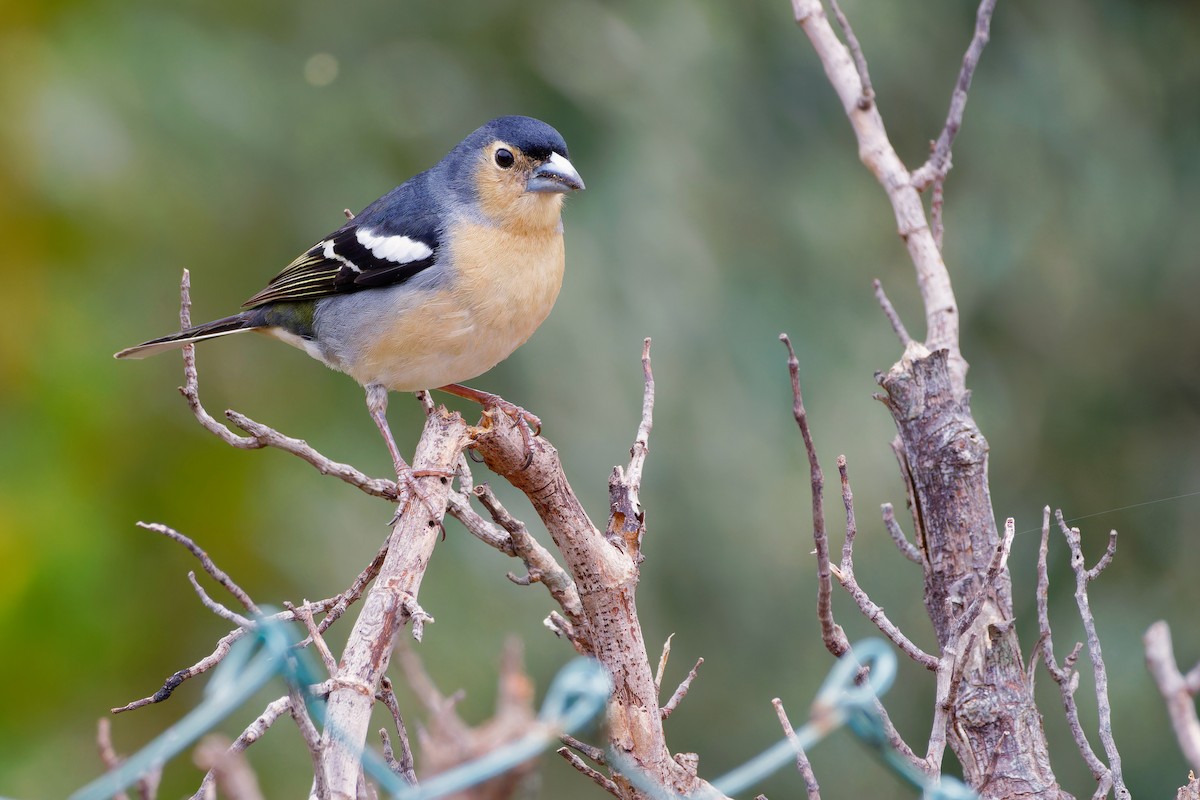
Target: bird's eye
[(504, 158)]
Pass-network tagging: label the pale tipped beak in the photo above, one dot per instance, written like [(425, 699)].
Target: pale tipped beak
[(557, 175)]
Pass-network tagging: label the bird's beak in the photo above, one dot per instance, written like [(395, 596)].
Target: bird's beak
[(557, 175)]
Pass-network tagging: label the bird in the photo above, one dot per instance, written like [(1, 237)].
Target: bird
[(434, 283)]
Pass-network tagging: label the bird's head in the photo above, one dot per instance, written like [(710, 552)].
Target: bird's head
[(517, 170)]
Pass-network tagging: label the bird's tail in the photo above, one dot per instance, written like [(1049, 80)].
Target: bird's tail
[(245, 321)]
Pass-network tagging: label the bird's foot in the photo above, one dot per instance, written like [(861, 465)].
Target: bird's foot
[(407, 490), (529, 424)]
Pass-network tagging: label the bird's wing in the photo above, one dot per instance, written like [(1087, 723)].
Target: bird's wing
[(389, 243)]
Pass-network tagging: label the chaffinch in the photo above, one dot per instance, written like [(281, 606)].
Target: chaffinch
[(434, 283)]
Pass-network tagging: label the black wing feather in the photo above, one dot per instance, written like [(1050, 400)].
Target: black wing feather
[(340, 263)]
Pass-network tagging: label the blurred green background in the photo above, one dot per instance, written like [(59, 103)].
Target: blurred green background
[(725, 204)]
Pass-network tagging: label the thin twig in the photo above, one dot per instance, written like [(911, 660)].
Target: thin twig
[(939, 162), (1066, 678), (311, 737), (869, 608), (261, 435), (890, 312), (937, 206), (860, 61), (949, 678), (1084, 576), (1160, 659), (342, 602), (219, 652), (627, 519), (218, 609), (880, 157), (681, 691), (596, 754), (907, 548), (218, 574), (802, 763), (831, 633), (108, 754), (535, 557), (662, 663), (305, 615), (404, 764), (988, 586), (253, 732), (600, 780)]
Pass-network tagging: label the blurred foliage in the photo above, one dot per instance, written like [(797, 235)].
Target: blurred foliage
[(725, 204)]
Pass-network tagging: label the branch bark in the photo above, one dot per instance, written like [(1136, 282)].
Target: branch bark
[(605, 569), (388, 605)]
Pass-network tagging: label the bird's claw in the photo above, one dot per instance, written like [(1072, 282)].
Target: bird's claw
[(407, 489), (529, 424)]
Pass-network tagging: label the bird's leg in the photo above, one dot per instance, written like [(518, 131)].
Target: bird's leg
[(525, 421), (406, 484)]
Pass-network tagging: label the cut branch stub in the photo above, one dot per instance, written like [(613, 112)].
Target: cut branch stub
[(995, 728)]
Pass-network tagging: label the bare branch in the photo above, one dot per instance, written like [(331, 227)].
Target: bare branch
[(802, 764), (594, 776), (662, 664), (108, 754), (681, 691), (937, 207), (998, 563), (627, 519), (949, 678), (218, 609), (260, 435), (338, 604), (535, 557), (605, 571), (253, 732), (1065, 677), (391, 601), (218, 574), (402, 766), (890, 312), (304, 613), (860, 61), (591, 751), (870, 609), (832, 633), (1084, 576), (1160, 659), (907, 548), (939, 162), (877, 153)]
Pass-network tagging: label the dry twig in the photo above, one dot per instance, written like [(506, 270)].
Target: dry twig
[(595, 777), (832, 633), (253, 732), (1065, 676), (1175, 690), (218, 574), (939, 162), (869, 608), (605, 570), (906, 548), (890, 312), (802, 763), (261, 435), (681, 691)]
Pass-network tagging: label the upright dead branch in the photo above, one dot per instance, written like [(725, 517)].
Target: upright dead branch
[(990, 718), (390, 603), (877, 153), (604, 566)]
